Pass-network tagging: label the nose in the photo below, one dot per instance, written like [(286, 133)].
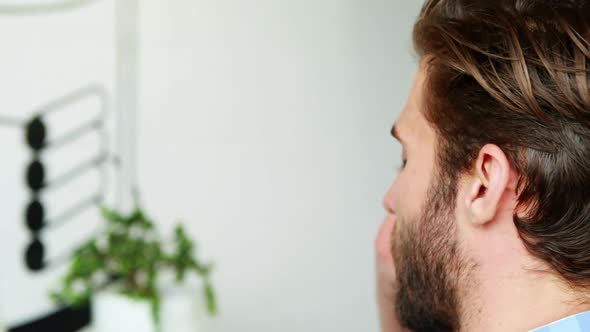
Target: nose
[(388, 201)]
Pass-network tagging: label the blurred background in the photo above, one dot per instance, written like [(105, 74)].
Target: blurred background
[(262, 125)]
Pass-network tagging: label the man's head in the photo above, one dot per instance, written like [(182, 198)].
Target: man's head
[(496, 135)]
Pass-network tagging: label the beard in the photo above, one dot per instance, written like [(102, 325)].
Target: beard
[(428, 263)]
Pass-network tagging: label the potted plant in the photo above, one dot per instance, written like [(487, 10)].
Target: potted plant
[(120, 271)]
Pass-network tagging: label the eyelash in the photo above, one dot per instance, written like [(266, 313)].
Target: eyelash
[(403, 165)]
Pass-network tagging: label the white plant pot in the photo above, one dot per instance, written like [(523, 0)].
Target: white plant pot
[(180, 311), (112, 312)]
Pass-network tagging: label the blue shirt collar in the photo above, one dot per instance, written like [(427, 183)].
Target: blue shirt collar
[(575, 323)]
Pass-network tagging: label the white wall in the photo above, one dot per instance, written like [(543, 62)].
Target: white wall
[(264, 125), (45, 57)]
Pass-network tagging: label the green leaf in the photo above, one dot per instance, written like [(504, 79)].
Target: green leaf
[(133, 254), (112, 216), (210, 299)]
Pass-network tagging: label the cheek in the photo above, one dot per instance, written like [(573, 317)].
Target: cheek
[(411, 193), (412, 206)]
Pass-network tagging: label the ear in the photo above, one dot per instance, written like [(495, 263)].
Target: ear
[(489, 182)]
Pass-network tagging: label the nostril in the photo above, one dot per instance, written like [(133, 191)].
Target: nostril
[(388, 209), (387, 206)]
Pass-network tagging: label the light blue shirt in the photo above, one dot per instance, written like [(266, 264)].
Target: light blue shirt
[(575, 323)]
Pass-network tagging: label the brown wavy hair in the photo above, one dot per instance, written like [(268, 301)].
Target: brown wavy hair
[(516, 73)]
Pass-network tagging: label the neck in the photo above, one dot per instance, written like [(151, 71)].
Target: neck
[(523, 301)]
